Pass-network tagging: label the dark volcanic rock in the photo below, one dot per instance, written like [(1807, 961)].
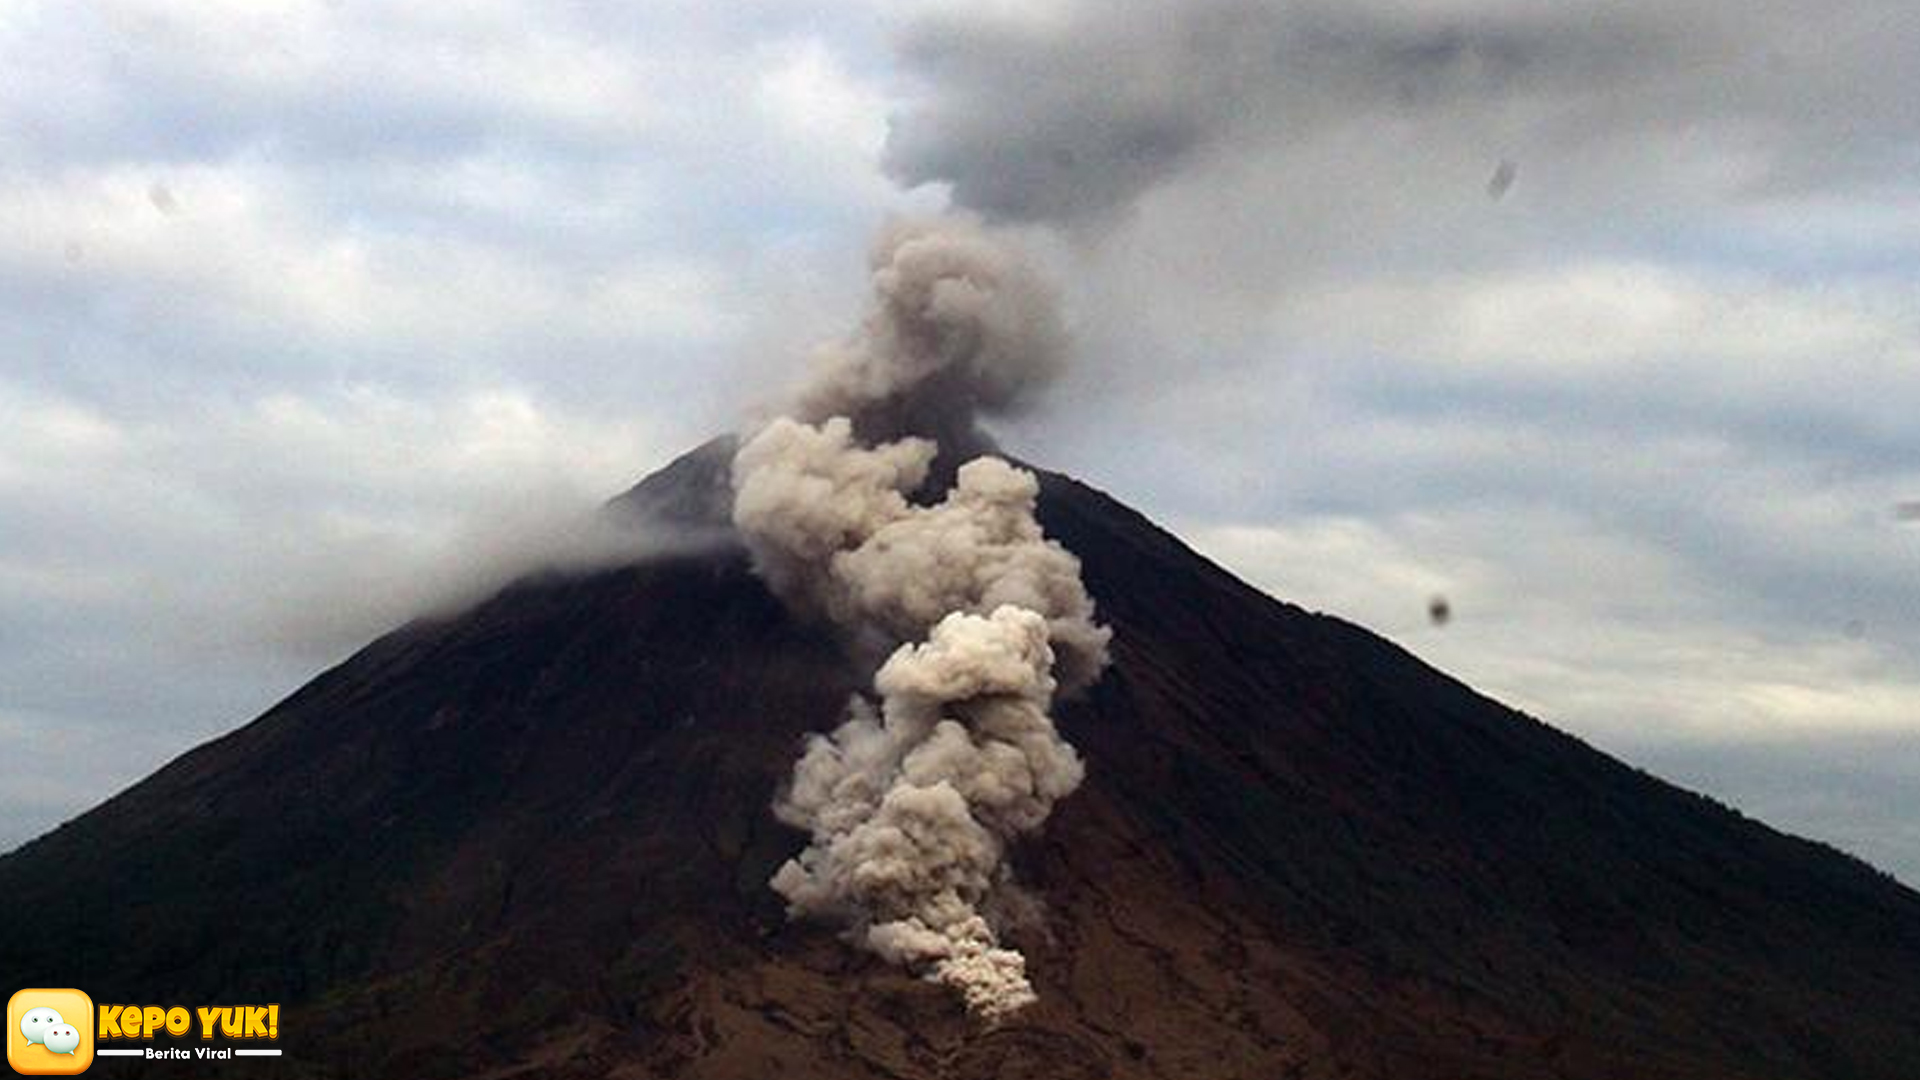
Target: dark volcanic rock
[(533, 839)]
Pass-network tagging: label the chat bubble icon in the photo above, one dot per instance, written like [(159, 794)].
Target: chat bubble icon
[(37, 1022), (62, 1039)]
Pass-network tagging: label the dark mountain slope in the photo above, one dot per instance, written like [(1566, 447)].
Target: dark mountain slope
[(534, 838)]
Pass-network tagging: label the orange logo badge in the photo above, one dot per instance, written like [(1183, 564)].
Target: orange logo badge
[(50, 1032)]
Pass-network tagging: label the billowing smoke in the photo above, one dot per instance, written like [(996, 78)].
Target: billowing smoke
[(960, 325), (912, 801)]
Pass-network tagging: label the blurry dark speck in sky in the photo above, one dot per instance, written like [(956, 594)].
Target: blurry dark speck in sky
[(1907, 511), (162, 199), (1855, 629), (1439, 610), (1502, 179)]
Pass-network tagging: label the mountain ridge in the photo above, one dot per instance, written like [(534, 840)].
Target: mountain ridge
[(536, 837)]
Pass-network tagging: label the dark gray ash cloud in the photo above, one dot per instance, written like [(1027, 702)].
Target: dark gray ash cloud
[(1073, 124), (1074, 118)]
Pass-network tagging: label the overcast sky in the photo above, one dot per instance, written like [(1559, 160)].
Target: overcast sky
[(1598, 319)]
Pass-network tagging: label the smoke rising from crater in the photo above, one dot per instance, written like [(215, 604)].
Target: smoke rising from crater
[(912, 801), (960, 325)]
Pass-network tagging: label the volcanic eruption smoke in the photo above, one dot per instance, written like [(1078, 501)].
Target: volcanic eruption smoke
[(912, 800)]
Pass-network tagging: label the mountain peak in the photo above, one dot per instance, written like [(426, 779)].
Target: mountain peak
[(691, 491), (536, 837)]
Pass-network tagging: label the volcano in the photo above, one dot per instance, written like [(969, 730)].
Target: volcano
[(534, 839)]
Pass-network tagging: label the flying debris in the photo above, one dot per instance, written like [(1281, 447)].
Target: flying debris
[(1502, 179)]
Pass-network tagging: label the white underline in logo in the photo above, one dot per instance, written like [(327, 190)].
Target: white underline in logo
[(138, 1053)]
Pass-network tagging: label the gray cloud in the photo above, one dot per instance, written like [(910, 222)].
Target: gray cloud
[(1078, 121), (1078, 117)]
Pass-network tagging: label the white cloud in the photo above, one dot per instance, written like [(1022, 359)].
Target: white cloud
[(164, 576), (807, 90), (237, 245), (1617, 315), (1606, 634)]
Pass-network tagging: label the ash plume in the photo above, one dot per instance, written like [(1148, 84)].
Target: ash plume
[(960, 325), (912, 801)]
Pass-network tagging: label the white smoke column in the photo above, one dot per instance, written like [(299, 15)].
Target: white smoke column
[(912, 801)]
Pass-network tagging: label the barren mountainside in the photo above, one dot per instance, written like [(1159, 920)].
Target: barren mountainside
[(534, 839)]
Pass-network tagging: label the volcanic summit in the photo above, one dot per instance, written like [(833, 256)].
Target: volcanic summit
[(534, 839), (591, 827)]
